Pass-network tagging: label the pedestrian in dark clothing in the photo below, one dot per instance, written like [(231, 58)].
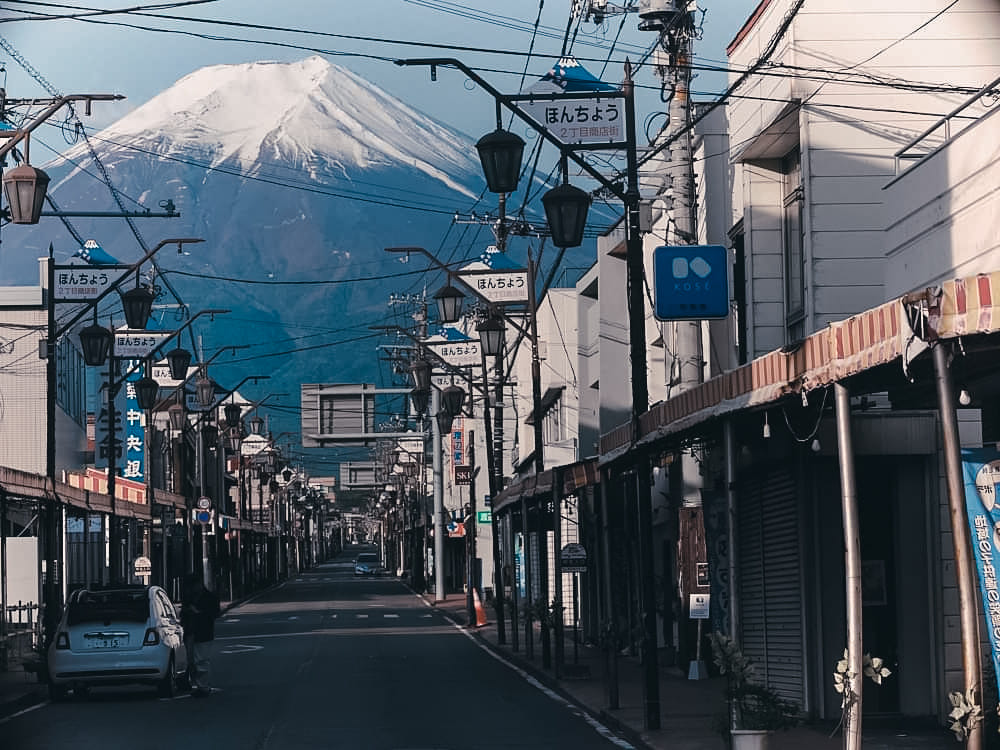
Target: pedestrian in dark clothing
[(200, 608)]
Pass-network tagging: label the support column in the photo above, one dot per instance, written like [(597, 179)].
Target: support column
[(852, 567), (439, 593), (961, 540)]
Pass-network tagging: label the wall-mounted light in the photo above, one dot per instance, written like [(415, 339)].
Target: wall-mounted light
[(767, 427), (964, 397)]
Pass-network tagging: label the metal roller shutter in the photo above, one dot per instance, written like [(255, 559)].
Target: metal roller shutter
[(770, 581)]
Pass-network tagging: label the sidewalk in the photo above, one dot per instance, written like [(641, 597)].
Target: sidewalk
[(691, 710)]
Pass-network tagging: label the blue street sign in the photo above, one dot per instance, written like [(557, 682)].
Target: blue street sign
[(690, 282)]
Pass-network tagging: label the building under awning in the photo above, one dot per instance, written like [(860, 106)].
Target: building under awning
[(897, 331)]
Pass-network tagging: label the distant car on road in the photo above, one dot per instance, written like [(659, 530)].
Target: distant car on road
[(367, 564), (117, 635)]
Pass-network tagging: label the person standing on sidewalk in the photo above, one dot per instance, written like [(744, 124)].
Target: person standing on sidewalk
[(199, 610)]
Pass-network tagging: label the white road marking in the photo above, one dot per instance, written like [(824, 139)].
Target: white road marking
[(241, 648), (231, 620), (5, 719), (391, 616), (362, 617)]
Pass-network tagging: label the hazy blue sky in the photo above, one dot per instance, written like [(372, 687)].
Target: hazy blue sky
[(78, 56)]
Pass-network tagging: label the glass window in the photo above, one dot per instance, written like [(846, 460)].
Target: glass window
[(795, 282)]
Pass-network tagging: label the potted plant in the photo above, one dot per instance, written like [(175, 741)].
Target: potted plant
[(755, 710)]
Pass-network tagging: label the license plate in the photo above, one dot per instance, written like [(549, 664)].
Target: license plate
[(107, 642)]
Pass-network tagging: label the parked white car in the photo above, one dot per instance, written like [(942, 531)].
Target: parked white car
[(117, 635)]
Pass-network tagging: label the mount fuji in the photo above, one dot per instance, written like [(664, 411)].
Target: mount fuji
[(296, 175)]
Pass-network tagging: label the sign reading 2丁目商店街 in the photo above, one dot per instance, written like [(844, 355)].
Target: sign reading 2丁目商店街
[(981, 471)]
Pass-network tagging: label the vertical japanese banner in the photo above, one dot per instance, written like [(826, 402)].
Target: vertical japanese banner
[(133, 465), (981, 469)]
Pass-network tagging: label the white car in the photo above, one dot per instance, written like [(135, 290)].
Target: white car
[(116, 635)]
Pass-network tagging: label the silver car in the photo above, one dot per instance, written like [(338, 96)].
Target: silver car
[(117, 635)]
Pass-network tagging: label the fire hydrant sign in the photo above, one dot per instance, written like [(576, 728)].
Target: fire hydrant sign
[(698, 606), (143, 567)]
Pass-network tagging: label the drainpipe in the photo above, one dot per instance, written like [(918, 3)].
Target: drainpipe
[(611, 650), (852, 567), (960, 537)]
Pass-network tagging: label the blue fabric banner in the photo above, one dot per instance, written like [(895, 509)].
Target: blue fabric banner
[(981, 470)]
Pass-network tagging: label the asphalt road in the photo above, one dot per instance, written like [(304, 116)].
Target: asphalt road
[(327, 660)]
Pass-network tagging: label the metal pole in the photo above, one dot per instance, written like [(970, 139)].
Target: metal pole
[(439, 592), (3, 579), (51, 543), (536, 371), (514, 588), (960, 537), (470, 534), (529, 628), (852, 567), (729, 444), (610, 634), (557, 573)]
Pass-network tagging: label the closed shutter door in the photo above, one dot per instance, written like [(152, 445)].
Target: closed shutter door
[(770, 581)]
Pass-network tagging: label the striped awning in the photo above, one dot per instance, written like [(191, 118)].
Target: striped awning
[(574, 477), (896, 330)]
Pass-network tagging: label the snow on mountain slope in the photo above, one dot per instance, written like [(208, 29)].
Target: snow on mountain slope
[(310, 115)]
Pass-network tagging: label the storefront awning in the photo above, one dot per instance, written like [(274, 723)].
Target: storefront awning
[(574, 477), (896, 330)]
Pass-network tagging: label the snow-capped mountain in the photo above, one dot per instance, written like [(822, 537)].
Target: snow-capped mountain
[(292, 174)]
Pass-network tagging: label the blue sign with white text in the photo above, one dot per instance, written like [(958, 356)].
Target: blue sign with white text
[(690, 282)]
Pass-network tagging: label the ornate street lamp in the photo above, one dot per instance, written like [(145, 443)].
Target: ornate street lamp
[(233, 413), (205, 391), (25, 186), (287, 475), (178, 416), (137, 304), (420, 369), (256, 424), (146, 392), (566, 212), (95, 341), (421, 397), (500, 153), (449, 303), (491, 335), (444, 420), (178, 360), (452, 399), (233, 439)]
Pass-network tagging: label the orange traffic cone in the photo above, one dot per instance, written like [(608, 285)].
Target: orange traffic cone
[(480, 612)]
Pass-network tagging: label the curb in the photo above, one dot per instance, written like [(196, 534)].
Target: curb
[(612, 722)]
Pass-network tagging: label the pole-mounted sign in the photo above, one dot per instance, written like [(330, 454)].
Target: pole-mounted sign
[(691, 282)]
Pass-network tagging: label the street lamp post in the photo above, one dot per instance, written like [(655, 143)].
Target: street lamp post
[(563, 208)]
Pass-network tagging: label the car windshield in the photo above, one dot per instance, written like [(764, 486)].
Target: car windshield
[(102, 606)]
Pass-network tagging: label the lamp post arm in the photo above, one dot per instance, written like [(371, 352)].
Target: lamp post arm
[(14, 137), (456, 277), (126, 275), (229, 393), (507, 101), (438, 360), (208, 361)]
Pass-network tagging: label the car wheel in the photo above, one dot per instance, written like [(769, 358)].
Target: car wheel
[(167, 687), (58, 693)]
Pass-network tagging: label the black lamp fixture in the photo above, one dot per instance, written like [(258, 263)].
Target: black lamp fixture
[(25, 187), (233, 439), (204, 390), (146, 392), (420, 369), (500, 153), (287, 475), (233, 413), (256, 424), (137, 304), (491, 335), (210, 434), (444, 421), (178, 360), (177, 416), (95, 341), (449, 303), (452, 399), (421, 397), (566, 212)]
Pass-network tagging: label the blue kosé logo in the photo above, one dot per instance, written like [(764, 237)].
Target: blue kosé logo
[(691, 282)]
